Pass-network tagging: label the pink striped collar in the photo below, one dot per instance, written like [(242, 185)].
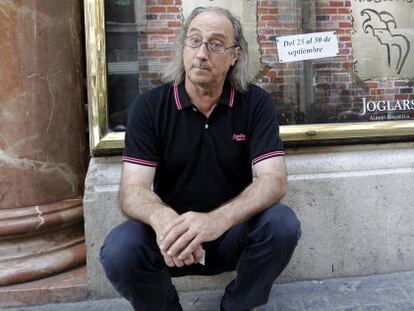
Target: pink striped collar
[(181, 98)]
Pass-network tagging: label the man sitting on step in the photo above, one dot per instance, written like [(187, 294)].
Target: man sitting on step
[(203, 175)]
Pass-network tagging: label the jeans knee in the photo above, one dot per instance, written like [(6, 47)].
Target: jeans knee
[(128, 248), (280, 226)]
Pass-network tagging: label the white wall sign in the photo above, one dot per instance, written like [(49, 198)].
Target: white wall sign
[(382, 39), (307, 46)]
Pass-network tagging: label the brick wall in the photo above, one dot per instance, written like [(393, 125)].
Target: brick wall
[(334, 92), (156, 41)]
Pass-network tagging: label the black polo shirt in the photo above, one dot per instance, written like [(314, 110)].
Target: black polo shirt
[(201, 162)]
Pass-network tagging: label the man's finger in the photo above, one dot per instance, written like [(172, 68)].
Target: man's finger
[(190, 248), (172, 236), (178, 262), (181, 243), (171, 225), (189, 260), (169, 261)]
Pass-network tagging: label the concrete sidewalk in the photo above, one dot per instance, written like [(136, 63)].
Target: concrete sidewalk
[(374, 293)]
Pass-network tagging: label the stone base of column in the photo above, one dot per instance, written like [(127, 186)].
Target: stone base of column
[(42, 254), (65, 287), (41, 241)]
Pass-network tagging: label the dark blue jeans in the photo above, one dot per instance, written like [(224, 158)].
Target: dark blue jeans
[(258, 249)]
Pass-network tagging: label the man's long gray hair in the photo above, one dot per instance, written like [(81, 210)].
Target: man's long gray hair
[(238, 74)]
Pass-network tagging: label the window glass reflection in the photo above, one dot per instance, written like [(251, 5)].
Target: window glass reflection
[(371, 79)]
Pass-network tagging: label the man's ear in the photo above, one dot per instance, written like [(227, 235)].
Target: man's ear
[(236, 54)]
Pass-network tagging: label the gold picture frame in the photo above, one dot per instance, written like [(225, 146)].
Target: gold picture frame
[(102, 141)]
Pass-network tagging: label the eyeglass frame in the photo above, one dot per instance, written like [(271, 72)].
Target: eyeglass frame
[(207, 43)]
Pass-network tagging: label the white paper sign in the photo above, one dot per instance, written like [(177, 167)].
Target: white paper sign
[(307, 46)]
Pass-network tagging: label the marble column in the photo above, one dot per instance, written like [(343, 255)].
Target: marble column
[(42, 145)]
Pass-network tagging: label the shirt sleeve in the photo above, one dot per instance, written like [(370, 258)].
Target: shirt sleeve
[(140, 139), (264, 139)]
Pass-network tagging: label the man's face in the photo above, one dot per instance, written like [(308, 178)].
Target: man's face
[(204, 68), (383, 35)]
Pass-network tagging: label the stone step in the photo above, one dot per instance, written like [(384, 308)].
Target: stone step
[(386, 292)]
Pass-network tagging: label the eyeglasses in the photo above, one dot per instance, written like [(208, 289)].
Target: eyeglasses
[(213, 47)]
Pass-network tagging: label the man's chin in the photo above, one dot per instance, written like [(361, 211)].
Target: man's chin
[(201, 77)]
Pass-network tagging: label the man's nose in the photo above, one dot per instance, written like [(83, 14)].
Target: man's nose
[(202, 51)]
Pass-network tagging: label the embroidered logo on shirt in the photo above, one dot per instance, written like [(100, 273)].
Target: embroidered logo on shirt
[(239, 137)]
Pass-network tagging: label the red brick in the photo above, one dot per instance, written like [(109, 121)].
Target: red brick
[(168, 16), (345, 24), (327, 11), (344, 38), (401, 96), (347, 65), (265, 31), (342, 31), (269, 58), (165, 2), (344, 11), (174, 24), (377, 91), (270, 51), (345, 52), (336, 4), (267, 17), (173, 9), (277, 26), (161, 32), (271, 74), (156, 9), (266, 4), (262, 11), (385, 97), (267, 44), (371, 85)]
